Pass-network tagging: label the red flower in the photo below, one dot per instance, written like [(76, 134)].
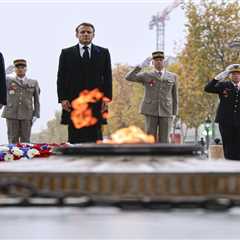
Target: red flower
[(226, 92), (152, 82)]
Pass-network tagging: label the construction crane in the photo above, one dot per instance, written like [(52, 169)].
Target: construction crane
[(159, 20)]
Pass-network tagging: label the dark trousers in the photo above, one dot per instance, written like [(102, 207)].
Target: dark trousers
[(84, 135), (231, 141)]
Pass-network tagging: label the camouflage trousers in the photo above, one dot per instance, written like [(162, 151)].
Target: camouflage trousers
[(159, 127), (19, 130)]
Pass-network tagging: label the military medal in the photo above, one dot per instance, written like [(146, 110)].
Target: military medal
[(12, 88), (152, 82)]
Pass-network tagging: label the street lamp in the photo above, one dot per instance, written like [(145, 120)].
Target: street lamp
[(207, 127)]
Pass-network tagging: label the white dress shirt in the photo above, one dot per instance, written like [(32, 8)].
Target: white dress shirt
[(82, 49)]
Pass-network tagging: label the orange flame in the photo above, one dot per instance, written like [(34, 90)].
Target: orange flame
[(131, 134), (82, 114)]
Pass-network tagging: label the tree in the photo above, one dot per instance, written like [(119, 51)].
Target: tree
[(124, 109)]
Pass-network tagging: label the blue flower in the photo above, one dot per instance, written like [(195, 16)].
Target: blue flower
[(2, 154)]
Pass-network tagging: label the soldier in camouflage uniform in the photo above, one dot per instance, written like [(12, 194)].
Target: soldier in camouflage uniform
[(23, 106), (160, 102)]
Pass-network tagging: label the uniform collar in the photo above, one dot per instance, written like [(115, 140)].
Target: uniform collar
[(236, 84), (161, 73), (21, 79)]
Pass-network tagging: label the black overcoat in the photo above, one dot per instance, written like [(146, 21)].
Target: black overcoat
[(228, 112), (3, 91), (75, 75)]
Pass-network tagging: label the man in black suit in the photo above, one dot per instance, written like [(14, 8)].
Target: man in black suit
[(84, 66), (3, 91), (228, 113)]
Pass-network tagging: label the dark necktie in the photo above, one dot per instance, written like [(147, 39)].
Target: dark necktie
[(159, 73), (21, 81), (86, 53)]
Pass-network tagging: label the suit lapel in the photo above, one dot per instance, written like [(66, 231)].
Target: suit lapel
[(76, 53), (95, 53), (156, 75), (27, 82), (94, 59), (234, 87), (164, 74)]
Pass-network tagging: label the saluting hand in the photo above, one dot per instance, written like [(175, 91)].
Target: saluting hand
[(66, 105), (146, 62), (222, 75)]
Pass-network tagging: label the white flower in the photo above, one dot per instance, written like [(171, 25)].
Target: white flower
[(32, 153), (17, 151), (4, 149), (8, 157)]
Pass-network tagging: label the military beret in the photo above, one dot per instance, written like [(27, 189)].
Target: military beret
[(20, 62), (158, 54)]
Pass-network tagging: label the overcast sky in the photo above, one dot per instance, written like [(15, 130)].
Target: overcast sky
[(38, 30)]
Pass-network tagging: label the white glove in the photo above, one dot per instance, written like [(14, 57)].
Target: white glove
[(146, 62), (222, 75), (229, 67), (34, 120)]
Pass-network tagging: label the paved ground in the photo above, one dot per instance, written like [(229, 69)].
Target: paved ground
[(112, 223)]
